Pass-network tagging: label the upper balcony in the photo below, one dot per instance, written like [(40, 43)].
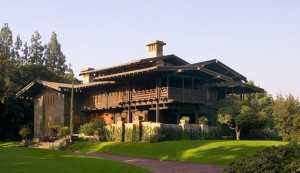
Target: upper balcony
[(147, 96)]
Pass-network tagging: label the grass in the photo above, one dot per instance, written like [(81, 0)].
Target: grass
[(9, 144), (29, 160), (220, 152)]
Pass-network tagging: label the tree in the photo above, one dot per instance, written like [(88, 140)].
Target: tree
[(18, 67), (229, 114), (36, 50), (55, 59), (286, 114), (25, 56), (262, 103), (253, 112), (16, 52)]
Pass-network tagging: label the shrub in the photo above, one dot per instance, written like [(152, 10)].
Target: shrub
[(25, 132), (187, 118), (90, 128), (109, 133), (272, 159), (64, 131), (202, 120)]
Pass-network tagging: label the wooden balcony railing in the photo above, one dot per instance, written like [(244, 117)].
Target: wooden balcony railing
[(170, 93)]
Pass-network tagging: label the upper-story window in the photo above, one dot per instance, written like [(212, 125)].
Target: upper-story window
[(49, 99)]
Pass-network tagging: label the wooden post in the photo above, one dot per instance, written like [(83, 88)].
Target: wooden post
[(43, 120), (71, 109), (207, 94), (129, 103), (168, 86), (158, 85), (192, 90), (241, 96), (183, 89), (196, 117)]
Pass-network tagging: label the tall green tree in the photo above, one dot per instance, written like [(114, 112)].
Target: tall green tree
[(16, 51), (5, 46), (36, 50), (25, 54), (18, 67), (286, 114), (254, 112), (55, 59)]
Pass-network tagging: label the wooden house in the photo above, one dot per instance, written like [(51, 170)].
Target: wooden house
[(159, 89)]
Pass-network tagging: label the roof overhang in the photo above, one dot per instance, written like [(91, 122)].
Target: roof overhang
[(31, 89), (168, 70), (243, 87), (219, 67)]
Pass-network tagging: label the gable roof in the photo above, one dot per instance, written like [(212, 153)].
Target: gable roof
[(31, 89), (219, 67), (172, 60)]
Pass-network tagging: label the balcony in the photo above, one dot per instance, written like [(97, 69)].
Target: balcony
[(169, 94)]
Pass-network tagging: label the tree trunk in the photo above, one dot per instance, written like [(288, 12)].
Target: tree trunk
[(237, 130), (238, 134)]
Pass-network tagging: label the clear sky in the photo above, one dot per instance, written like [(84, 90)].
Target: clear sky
[(258, 38)]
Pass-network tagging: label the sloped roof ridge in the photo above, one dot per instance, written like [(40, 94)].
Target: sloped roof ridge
[(212, 61), (136, 62)]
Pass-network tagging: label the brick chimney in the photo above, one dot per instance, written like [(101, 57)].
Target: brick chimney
[(87, 77), (155, 48)]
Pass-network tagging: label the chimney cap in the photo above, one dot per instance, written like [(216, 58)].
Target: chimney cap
[(156, 42), (87, 69)]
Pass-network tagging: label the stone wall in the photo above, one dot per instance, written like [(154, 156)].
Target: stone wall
[(48, 110)]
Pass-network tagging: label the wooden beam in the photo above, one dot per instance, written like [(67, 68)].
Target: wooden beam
[(129, 103), (158, 86)]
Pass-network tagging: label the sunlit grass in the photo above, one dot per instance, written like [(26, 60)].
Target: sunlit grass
[(213, 152), (9, 144), (29, 160)]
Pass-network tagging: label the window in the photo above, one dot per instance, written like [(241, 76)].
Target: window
[(76, 119), (57, 119), (49, 99)]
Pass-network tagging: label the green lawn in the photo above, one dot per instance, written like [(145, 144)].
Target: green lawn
[(220, 152), (29, 160), (9, 144)]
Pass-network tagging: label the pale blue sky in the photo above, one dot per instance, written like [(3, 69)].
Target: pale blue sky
[(258, 38)]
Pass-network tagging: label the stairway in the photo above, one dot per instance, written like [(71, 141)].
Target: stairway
[(49, 145)]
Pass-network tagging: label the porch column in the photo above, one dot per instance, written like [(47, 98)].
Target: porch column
[(158, 86), (196, 117), (129, 118)]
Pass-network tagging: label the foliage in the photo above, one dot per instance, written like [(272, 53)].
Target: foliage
[(147, 134), (192, 134), (64, 131), (252, 112), (54, 58), (90, 128), (132, 134), (272, 159), (202, 120), (49, 161), (286, 114), (187, 118), (119, 134), (20, 65), (56, 127), (219, 152), (262, 134), (25, 132)]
